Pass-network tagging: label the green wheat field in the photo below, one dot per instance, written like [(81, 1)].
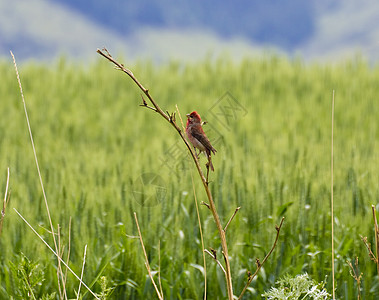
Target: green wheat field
[(103, 157)]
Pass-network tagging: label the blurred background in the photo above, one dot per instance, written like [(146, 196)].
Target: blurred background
[(269, 117), (315, 30)]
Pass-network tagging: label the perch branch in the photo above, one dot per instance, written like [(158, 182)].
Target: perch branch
[(171, 120), (144, 104)]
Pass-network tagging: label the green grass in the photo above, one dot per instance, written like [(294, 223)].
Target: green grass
[(93, 143)]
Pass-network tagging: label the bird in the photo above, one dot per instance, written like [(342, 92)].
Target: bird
[(198, 138)]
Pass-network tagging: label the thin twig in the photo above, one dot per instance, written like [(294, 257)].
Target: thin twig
[(355, 275), (171, 120), (376, 238), (6, 193), (27, 281), (332, 198), (81, 275), (62, 292), (51, 249), (60, 254), (144, 104), (146, 260), (201, 238), (131, 75), (69, 250), (261, 263), (159, 267), (205, 204), (231, 218), (180, 116), (131, 236), (36, 161), (5, 202), (368, 246), (212, 254)]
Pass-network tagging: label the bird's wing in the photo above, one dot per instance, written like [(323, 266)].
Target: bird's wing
[(202, 138)]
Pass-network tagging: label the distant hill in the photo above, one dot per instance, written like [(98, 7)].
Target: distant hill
[(184, 30)]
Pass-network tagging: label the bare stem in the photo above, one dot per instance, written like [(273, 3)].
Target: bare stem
[(159, 267), (81, 275), (202, 239), (376, 238), (56, 254), (171, 120), (368, 246), (205, 204), (68, 250), (261, 263), (332, 198), (5, 202), (213, 255), (38, 168), (146, 260), (354, 273), (62, 293), (231, 218)]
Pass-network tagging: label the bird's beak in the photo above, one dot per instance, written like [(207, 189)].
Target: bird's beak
[(188, 116)]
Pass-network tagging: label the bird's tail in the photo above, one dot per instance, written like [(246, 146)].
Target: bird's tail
[(210, 163)]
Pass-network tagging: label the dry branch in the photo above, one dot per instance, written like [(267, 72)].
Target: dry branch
[(354, 273), (62, 292), (261, 263), (171, 119), (212, 254), (231, 218), (60, 271), (56, 254), (160, 296), (376, 238), (81, 275), (201, 238), (332, 197), (159, 268), (373, 256)]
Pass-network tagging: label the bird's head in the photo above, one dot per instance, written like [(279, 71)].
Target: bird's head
[(193, 118)]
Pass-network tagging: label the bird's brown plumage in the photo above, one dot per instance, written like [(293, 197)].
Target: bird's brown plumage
[(197, 136)]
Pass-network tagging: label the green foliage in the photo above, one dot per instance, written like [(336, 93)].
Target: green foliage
[(95, 146), (105, 290), (28, 277), (298, 287)]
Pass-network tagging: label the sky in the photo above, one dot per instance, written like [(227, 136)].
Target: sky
[(44, 30)]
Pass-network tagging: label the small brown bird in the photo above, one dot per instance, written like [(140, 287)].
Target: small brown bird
[(197, 136)]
